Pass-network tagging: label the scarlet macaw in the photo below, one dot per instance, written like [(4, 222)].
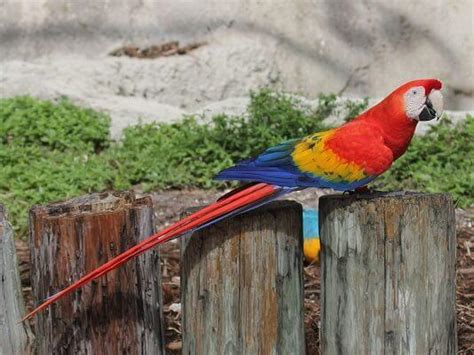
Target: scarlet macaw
[(343, 158)]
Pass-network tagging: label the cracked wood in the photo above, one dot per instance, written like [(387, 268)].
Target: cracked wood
[(242, 284), (388, 274), (120, 312)]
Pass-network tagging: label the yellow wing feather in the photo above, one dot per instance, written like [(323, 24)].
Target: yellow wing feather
[(312, 156)]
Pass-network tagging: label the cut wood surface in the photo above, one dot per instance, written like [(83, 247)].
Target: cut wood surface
[(119, 313), (15, 337), (388, 274), (242, 284)]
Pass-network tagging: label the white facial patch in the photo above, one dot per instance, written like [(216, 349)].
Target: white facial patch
[(436, 99), (414, 101)]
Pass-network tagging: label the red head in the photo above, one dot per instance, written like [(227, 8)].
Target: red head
[(427, 84), (398, 114), (409, 101)]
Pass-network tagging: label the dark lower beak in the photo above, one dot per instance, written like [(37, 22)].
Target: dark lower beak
[(428, 113)]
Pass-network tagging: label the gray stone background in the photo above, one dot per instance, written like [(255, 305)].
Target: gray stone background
[(50, 48)]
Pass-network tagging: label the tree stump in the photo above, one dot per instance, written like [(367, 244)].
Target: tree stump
[(16, 338), (119, 313), (388, 274), (242, 284)]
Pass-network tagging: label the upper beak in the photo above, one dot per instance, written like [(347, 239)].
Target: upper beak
[(433, 106)]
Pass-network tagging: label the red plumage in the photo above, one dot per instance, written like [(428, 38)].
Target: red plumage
[(233, 202)]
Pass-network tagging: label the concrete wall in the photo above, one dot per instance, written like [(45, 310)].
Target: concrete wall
[(355, 47)]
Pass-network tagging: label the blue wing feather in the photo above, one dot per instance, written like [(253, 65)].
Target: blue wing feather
[(276, 166)]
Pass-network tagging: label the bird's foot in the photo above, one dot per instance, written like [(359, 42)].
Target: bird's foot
[(363, 190)]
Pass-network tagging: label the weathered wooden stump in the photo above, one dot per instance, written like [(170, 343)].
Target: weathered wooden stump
[(242, 284), (120, 313), (15, 337), (388, 274)]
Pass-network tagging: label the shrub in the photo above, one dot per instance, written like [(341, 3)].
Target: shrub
[(34, 175), (48, 152), (51, 151), (191, 152), (61, 126)]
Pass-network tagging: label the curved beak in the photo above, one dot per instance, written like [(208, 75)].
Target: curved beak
[(433, 107), (428, 112)]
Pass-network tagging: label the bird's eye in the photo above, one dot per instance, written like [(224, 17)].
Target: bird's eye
[(414, 92)]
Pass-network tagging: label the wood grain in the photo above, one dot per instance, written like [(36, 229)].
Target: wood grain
[(15, 337), (388, 274), (120, 312), (242, 284)]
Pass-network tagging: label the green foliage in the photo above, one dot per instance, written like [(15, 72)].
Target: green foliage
[(34, 175), (440, 161), (51, 151), (191, 152), (48, 152), (162, 155), (62, 126)]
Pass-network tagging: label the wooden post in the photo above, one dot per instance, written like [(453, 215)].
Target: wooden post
[(119, 313), (16, 338), (388, 274), (242, 284)]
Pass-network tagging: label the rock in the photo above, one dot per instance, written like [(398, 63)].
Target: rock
[(234, 106), (130, 111), (355, 48), (190, 81)]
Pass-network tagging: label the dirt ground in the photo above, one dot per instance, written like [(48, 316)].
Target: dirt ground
[(170, 204)]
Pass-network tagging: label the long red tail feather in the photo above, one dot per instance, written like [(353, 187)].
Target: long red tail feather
[(208, 214)]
